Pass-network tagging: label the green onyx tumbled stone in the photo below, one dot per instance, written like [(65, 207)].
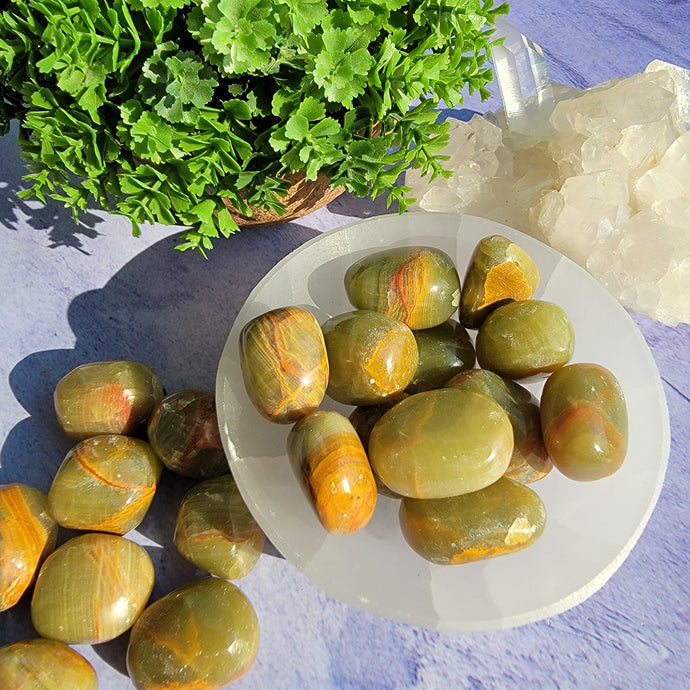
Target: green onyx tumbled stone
[(529, 461), (204, 635), (502, 518), (327, 454), (371, 357), (44, 665), (183, 430), (584, 419), (524, 339), (106, 484), (114, 397), (91, 589), (215, 531), (28, 534), (499, 272), (441, 443), (284, 363), (444, 351), (419, 286)]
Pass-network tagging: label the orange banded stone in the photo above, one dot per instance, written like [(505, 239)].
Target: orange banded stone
[(502, 518), (585, 421), (371, 357), (204, 635), (44, 664), (106, 484), (91, 589), (417, 285), (28, 534), (284, 363), (327, 453), (499, 272), (113, 397)]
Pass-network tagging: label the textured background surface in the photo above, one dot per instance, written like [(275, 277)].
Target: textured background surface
[(78, 293)]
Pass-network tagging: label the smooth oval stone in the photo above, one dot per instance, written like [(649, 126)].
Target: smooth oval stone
[(499, 272), (106, 484), (441, 443), (419, 286), (204, 635), (502, 518), (371, 357), (91, 589), (115, 397), (585, 421), (444, 351), (529, 461), (524, 339), (28, 533), (183, 431), (215, 531), (326, 452), (284, 363), (45, 665)]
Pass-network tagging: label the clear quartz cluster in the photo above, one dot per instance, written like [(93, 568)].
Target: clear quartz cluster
[(606, 182)]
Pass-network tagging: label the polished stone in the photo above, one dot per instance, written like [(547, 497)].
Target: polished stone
[(183, 432), (328, 456), (106, 484), (204, 635), (113, 397), (91, 589), (38, 664), (441, 443), (284, 363), (215, 530), (28, 534)]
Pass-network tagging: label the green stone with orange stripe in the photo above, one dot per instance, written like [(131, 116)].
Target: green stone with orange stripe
[(284, 363), (27, 535), (105, 483), (417, 285)]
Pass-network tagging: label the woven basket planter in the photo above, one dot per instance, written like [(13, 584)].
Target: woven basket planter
[(303, 197)]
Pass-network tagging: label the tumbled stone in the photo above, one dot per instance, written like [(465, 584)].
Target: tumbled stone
[(112, 397), (28, 534), (183, 431), (441, 443), (499, 271), (284, 363), (584, 421), (215, 530), (44, 665), (204, 635), (105, 483), (371, 357), (502, 518), (524, 339), (327, 455), (91, 589), (443, 351), (419, 285)]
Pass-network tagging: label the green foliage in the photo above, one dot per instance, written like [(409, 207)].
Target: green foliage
[(159, 109)]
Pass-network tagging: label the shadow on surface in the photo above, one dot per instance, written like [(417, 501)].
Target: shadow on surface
[(52, 217), (172, 311)]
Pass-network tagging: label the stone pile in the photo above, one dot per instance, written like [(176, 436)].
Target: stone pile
[(606, 182)]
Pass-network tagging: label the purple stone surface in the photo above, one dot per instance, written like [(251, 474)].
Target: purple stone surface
[(76, 293)]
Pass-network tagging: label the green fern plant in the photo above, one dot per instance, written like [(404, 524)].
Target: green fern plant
[(157, 109)]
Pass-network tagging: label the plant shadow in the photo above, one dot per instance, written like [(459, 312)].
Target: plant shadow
[(171, 310), (50, 217)]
